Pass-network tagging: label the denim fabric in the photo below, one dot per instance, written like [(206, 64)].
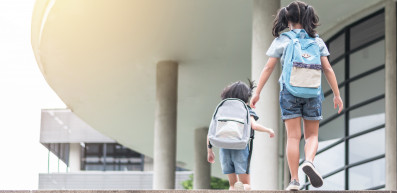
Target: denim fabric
[(234, 160), (292, 106)]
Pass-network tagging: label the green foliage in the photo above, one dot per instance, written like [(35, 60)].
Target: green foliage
[(216, 183), (188, 184)]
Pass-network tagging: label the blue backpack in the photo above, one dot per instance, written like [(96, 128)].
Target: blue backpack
[(302, 65)]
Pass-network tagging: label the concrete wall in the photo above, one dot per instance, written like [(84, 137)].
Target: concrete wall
[(104, 180)]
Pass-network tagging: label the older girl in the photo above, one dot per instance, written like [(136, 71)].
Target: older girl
[(302, 20)]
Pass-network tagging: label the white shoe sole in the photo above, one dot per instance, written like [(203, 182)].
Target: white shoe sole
[(292, 188), (314, 177)]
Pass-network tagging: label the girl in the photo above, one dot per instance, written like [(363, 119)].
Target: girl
[(302, 20), (235, 163)]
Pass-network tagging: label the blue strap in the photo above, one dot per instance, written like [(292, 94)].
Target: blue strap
[(290, 34)]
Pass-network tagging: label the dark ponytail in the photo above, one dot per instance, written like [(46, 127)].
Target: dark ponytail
[(310, 21), (296, 12), (280, 22)]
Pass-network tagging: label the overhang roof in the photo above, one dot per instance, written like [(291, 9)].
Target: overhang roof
[(99, 57)]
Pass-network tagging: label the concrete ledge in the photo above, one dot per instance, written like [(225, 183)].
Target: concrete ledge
[(188, 191)]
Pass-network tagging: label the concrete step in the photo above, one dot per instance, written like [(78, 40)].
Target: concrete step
[(188, 191)]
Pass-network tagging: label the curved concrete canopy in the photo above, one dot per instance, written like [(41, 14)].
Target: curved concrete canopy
[(99, 56)]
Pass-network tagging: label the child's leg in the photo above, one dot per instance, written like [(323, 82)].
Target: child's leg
[(311, 139), (232, 180), (245, 179), (293, 127)]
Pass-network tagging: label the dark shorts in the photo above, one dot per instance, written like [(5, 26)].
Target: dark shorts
[(292, 106)]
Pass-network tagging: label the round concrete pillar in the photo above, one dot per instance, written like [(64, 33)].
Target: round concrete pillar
[(202, 169), (165, 125), (265, 159), (390, 95)]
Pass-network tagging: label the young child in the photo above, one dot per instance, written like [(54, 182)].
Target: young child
[(235, 162), (300, 18)]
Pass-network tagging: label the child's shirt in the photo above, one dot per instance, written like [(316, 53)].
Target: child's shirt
[(252, 113)]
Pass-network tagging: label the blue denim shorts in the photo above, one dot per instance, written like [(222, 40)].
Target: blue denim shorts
[(234, 160), (292, 106)]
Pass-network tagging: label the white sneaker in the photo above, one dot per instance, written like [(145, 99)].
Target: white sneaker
[(293, 185), (238, 186)]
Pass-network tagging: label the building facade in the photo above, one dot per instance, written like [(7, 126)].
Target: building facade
[(79, 157), (149, 74)]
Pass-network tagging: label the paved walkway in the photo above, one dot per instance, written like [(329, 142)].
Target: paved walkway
[(185, 191)]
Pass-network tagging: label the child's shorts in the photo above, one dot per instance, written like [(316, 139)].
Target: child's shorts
[(292, 106), (234, 160)]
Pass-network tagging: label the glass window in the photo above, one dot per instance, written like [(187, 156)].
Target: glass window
[(93, 148), (331, 159), (367, 117), (333, 130), (367, 58), (328, 104), (367, 31), (117, 158), (337, 47), (367, 175), (339, 69), (367, 146), (301, 149), (334, 182), (368, 87), (302, 177)]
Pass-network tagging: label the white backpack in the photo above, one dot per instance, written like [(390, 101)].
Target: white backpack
[(230, 126)]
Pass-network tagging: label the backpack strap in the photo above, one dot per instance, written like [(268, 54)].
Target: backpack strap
[(251, 146), (290, 34)]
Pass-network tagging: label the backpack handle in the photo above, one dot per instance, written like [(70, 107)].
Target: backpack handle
[(228, 99)]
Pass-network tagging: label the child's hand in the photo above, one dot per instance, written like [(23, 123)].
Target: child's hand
[(271, 133), (338, 103), (210, 156), (254, 100)]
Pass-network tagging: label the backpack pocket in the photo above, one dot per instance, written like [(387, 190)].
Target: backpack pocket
[(305, 75), (229, 128)]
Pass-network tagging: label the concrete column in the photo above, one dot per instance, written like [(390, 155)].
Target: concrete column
[(265, 159), (74, 157), (390, 94), (165, 125), (202, 169)]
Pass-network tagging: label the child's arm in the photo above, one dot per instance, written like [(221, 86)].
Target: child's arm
[(210, 153), (265, 74), (331, 78), (258, 127)]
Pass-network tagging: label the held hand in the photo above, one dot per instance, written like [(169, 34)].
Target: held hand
[(338, 103), (254, 100), (271, 133), (210, 156)]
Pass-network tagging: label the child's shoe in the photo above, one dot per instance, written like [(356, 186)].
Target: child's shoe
[(238, 186), (293, 185), (315, 178)]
